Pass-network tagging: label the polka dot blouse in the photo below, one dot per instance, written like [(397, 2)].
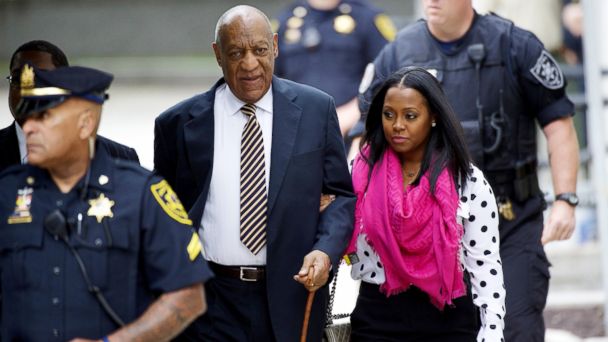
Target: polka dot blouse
[(479, 255)]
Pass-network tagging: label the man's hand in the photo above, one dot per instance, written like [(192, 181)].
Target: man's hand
[(326, 201), (320, 263), (560, 224)]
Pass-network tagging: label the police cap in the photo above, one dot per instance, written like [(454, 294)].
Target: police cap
[(44, 89)]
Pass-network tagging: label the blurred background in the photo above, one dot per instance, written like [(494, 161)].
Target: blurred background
[(160, 53)]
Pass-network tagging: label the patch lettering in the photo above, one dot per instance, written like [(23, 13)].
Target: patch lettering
[(166, 197)]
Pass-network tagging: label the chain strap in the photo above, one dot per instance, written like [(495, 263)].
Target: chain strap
[(329, 317)]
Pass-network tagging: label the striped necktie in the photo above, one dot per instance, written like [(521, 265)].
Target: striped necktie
[(253, 183)]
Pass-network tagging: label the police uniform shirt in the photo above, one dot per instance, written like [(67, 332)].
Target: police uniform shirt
[(535, 74), (329, 50), (134, 239)]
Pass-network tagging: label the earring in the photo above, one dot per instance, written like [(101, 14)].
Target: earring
[(91, 148), (433, 124)]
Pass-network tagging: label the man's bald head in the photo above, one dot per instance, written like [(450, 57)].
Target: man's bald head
[(242, 12)]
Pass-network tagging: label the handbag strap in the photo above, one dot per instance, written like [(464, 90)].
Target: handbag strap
[(329, 317)]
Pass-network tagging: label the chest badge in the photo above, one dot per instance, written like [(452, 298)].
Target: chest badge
[(100, 207), (344, 24), (22, 207)]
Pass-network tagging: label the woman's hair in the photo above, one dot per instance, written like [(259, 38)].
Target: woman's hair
[(446, 145)]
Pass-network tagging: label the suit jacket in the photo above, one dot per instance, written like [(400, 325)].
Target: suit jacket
[(9, 148), (307, 159)]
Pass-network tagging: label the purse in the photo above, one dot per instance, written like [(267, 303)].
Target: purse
[(335, 332)]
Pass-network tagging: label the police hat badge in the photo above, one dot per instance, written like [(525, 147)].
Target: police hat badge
[(27, 77)]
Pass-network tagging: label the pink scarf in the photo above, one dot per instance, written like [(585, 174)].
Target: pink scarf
[(414, 232)]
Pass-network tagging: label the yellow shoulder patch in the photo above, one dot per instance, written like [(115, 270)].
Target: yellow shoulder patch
[(166, 197), (386, 27), (194, 247)]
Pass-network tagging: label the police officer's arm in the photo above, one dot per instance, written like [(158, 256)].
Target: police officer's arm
[(348, 115), (562, 144), (172, 264), (375, 73), (165, 318), (543, 86), (378, 31)]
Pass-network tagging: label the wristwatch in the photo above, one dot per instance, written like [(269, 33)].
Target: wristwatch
[(568, 197)]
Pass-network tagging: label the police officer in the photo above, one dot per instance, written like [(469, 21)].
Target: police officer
[(500, 79), (327, 44), (90, 247)]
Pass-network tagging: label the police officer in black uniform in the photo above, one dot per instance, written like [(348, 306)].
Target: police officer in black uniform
[(500, 79), (90, 247), (327, 44)]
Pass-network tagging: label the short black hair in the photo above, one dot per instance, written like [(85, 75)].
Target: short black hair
[(58, 57), (446, 146)]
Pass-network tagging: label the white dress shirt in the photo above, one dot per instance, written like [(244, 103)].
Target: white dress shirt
[(220, 225), (22, 144)]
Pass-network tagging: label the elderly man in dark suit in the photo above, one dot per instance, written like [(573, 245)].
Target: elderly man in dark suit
[(45, 56), (250, 159)]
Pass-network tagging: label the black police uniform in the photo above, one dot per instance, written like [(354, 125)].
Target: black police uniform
[(133, 239), (329, 50), (86, 262), (518, 82)]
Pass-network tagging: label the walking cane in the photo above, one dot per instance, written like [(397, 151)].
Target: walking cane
[(309, 300)]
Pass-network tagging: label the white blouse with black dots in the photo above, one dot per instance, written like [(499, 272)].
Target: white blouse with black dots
[(479, 255)]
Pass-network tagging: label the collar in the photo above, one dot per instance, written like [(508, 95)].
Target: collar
[(234, 105), (22, 143), (100, 174)]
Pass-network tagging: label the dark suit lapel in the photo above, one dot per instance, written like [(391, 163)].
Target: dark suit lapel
[(198, 139), (285, 120), (9, 146)]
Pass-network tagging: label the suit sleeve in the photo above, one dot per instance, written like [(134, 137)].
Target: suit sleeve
[(164, 157), (336, 222)]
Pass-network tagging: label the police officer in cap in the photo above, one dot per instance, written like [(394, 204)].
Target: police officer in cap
[(500, 80), (90, 247), (327, 44)]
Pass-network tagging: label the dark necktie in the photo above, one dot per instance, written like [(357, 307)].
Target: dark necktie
[(253, 183)]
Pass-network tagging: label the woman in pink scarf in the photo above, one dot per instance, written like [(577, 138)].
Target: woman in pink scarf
[(425, 243)]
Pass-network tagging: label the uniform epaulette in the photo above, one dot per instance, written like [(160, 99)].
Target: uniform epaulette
[(132, 166), (13, 170)]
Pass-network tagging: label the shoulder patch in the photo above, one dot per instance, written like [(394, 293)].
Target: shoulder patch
[(166, 197), (385, 26), (547, 71)]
